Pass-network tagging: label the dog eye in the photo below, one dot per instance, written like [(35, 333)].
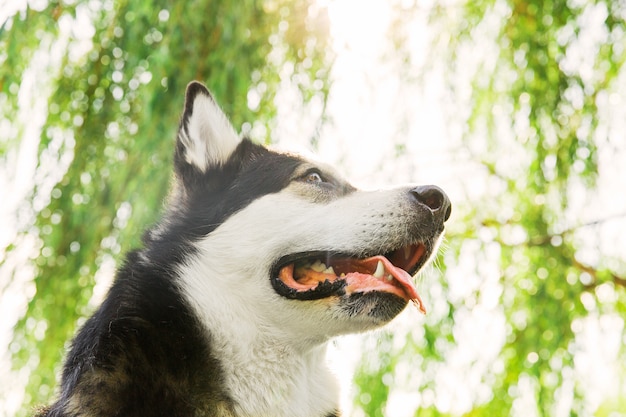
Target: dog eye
[(313, 177)]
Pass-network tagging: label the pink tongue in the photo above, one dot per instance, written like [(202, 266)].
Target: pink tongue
[(401, 276)]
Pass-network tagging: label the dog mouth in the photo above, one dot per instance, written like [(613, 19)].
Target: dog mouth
[(316, 275)]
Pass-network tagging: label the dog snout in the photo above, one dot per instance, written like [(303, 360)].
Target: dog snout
[(435, 199)]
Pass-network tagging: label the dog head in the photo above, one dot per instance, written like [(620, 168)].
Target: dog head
[(283, 242)]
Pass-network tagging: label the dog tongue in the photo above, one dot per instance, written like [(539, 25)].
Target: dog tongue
[(402, 279)]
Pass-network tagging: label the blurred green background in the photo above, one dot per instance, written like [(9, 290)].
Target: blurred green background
[(516, 108)]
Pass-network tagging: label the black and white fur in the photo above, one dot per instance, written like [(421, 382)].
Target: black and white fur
[(196, 323)]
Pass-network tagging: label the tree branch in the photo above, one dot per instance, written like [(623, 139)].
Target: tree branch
[(616, 279)]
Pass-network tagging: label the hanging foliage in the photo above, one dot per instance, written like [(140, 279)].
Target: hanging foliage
[(528, 84)]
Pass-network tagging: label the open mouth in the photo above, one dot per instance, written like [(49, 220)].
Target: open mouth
[(316, 275)]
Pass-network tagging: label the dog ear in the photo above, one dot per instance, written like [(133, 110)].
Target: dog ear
[(206, 139)]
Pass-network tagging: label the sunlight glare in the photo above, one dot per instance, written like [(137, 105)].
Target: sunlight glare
[(356, 25)]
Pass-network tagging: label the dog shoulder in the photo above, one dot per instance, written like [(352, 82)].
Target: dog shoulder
[(141, 354)]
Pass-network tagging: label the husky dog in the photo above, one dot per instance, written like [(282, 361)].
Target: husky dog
[(260, 258)]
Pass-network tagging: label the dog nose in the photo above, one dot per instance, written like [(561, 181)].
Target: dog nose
[(435, 199)]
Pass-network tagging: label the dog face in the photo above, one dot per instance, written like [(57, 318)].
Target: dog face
[(274, 241)]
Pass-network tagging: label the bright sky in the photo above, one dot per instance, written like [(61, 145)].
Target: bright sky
[(372, 111)]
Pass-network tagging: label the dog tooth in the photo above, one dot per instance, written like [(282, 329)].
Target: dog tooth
[(380, 270), (389, 277), (329, 270), (318, 266)]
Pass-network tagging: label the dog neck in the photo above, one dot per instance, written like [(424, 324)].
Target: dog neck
[(270, 379), (267, 370)]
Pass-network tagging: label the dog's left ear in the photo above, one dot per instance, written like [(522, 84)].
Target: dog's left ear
[(206, 139)]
